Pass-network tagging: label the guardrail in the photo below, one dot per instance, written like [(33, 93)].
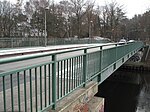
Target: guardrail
[(39, 87)]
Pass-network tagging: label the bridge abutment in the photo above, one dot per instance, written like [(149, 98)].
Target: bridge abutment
[(81, 100)]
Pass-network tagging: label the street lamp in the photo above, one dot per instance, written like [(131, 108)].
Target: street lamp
[(45, 7)]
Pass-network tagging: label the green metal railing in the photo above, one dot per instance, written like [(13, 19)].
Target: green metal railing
[(39, 87)]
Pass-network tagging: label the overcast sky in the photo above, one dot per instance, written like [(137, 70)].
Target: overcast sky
[(132, 7)]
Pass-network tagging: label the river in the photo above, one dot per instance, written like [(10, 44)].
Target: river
[(126, 91)]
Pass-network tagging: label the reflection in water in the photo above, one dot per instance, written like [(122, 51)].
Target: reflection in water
[(144, 97), (126, 91)]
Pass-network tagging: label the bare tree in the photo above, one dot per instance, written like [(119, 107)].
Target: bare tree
[(65, 9), (5, 17), (9, 17), (111, 16), (79, 8)]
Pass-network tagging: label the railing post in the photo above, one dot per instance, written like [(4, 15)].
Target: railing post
[(115, 64), (116, 51), (84, 67), (100, 67), (54, 81)]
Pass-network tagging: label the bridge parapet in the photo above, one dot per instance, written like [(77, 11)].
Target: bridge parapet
[(40, 86)]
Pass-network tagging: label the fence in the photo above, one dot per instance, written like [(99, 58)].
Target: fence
[(40, 41), (38, 87)]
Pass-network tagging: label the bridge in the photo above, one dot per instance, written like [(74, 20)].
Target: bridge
[(37, 82)]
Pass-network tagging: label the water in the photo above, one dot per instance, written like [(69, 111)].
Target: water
[(126, 91)]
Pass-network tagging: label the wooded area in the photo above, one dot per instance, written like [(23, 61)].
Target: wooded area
[(71, 18)]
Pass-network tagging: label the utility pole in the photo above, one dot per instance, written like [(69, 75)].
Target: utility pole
[(47, 7)]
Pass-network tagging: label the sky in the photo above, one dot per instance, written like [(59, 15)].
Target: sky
[(131, 7)]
